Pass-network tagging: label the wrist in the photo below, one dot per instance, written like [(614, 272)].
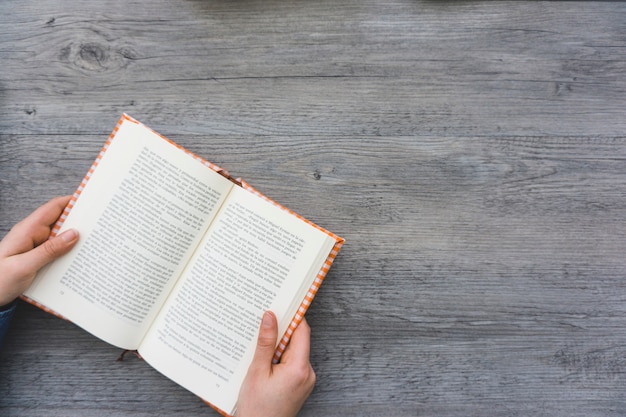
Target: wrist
[(8, 306)]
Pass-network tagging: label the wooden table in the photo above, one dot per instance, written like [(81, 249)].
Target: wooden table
[(473, 154)]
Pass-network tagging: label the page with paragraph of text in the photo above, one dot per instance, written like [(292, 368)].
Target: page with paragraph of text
[(254, 257), (140, 215)]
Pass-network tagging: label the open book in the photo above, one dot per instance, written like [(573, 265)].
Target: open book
[(179, 262)]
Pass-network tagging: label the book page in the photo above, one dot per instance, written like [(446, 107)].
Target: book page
[(255, 257), (140, 215)]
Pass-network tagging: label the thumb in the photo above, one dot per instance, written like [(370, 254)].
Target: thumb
[(50, 249), (266, 344)]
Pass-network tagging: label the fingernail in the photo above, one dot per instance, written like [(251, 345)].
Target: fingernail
[(267, 319), (69, 235)]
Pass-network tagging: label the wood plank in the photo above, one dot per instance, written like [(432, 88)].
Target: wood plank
[(406, 70)]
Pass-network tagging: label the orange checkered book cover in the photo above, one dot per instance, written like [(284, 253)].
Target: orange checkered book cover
[(312, 290)]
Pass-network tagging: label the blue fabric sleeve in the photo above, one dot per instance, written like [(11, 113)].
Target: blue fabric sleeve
[(5, 318)]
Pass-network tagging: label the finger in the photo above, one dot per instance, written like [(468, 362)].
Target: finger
[(34, 229), (48, 251), (50, 212), (299, 348), (266, 344)]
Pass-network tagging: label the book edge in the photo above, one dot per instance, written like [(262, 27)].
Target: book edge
[(317, 282)]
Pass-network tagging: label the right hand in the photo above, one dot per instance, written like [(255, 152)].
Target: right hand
[(277, 390)]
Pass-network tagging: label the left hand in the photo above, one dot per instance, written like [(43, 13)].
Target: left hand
[(26, 248)]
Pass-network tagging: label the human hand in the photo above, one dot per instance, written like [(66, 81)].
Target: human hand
[(277, 390), (26, 248)]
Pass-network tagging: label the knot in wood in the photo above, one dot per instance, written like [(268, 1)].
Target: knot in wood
[(93, 56), (96, 56)]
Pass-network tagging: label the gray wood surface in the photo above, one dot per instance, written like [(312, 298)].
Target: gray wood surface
[(472, 154)]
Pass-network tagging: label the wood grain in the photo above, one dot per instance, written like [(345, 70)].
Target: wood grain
[(471, 153)]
